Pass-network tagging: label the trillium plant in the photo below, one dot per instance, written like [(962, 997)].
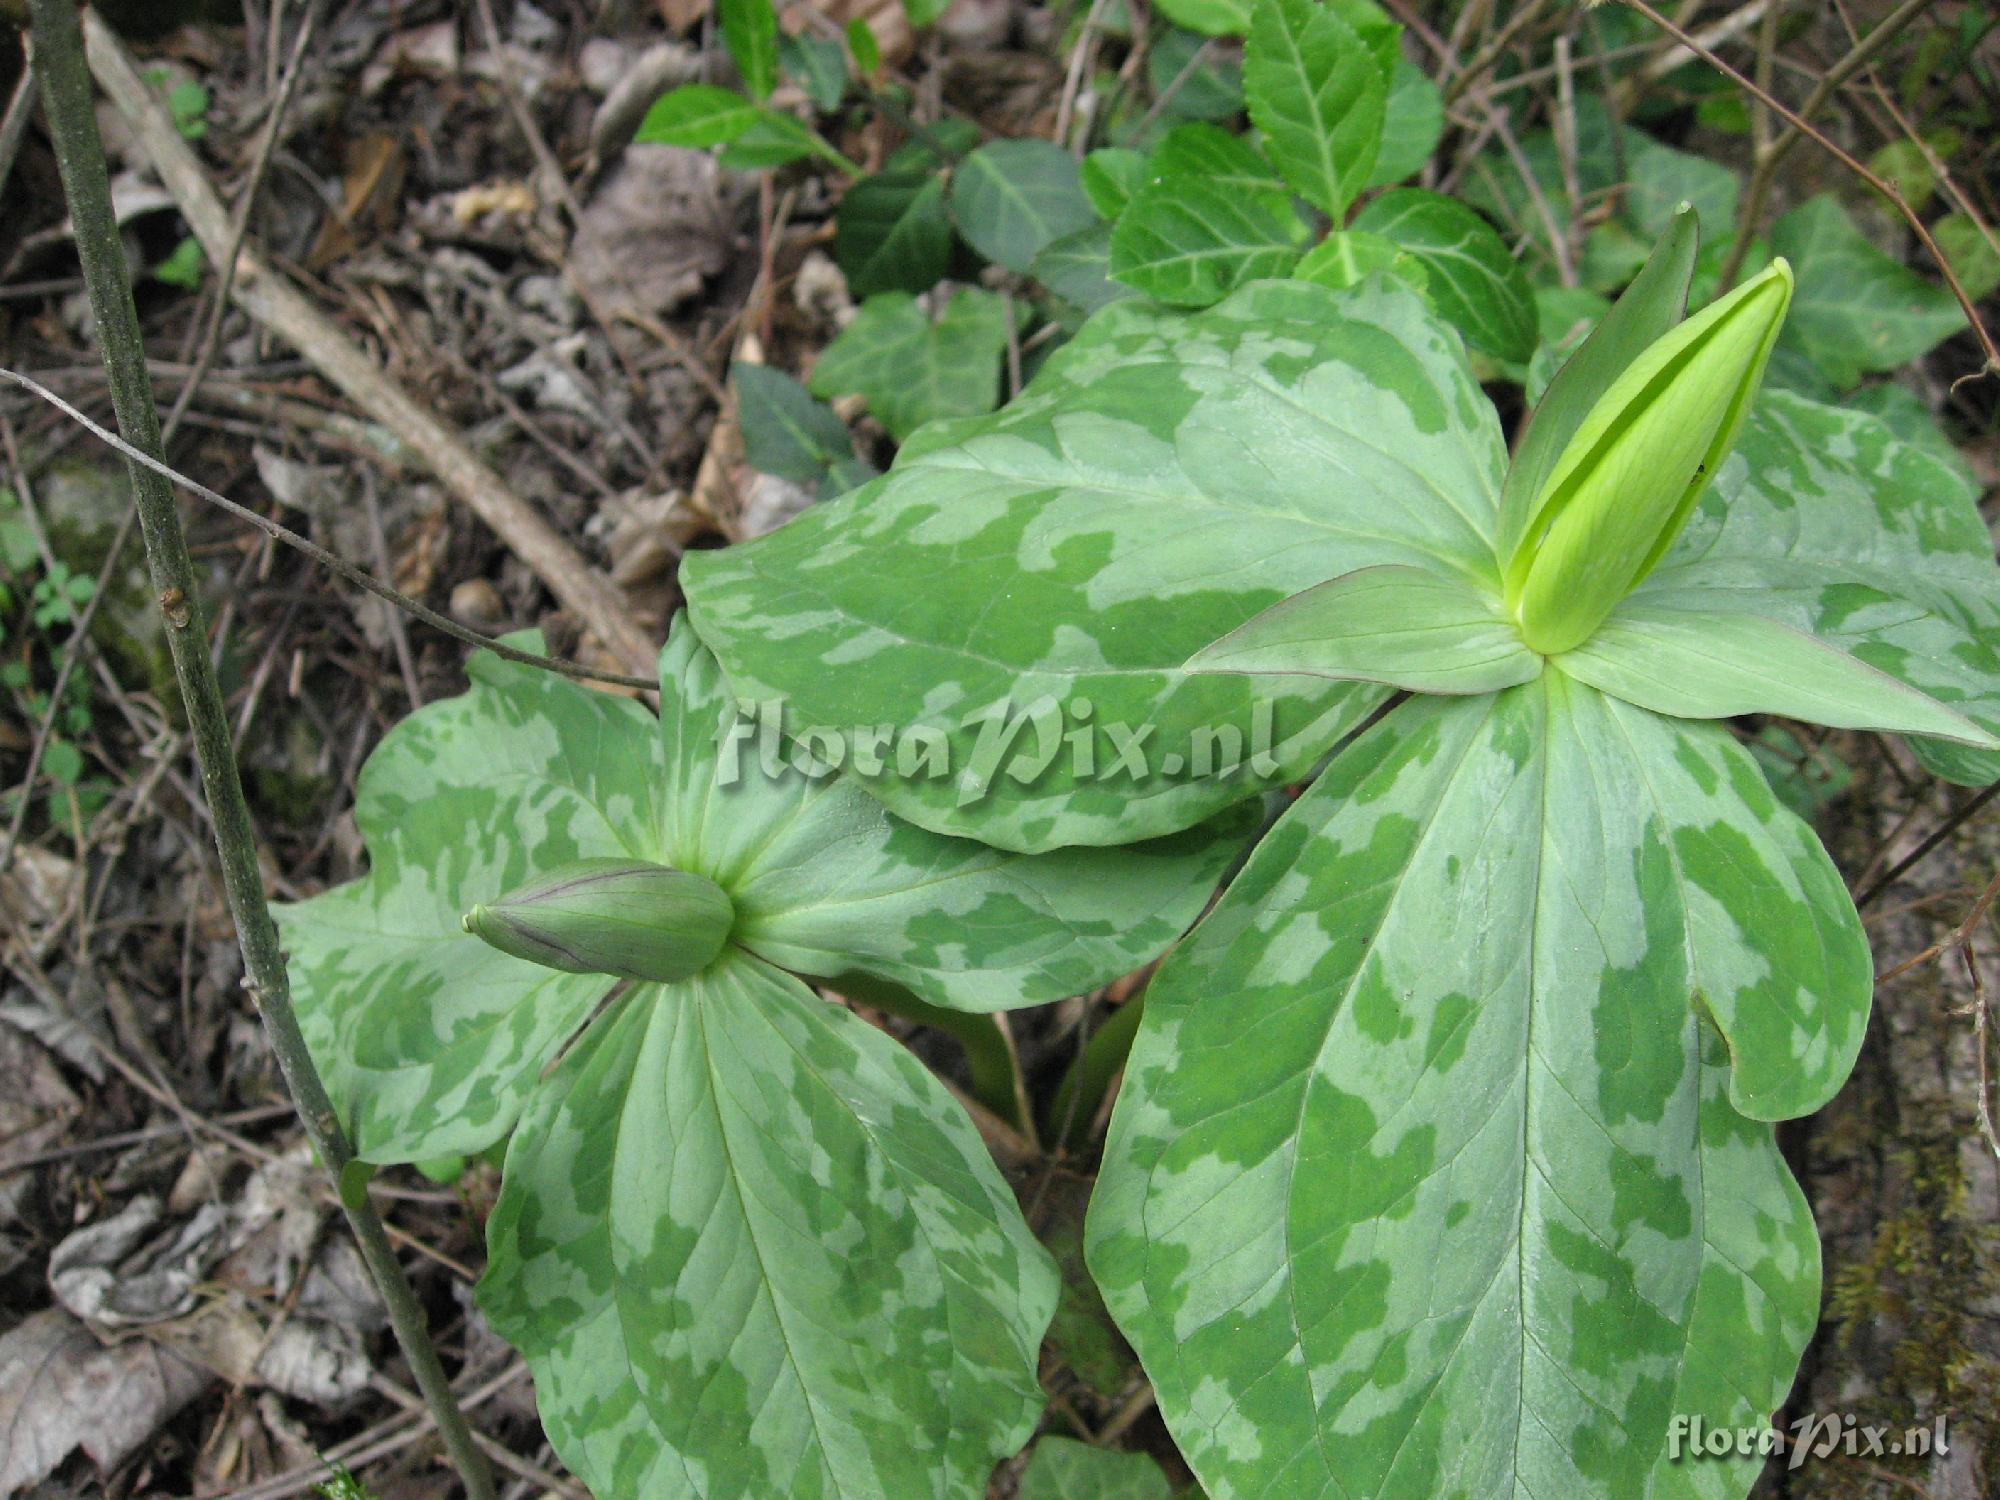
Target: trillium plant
[(1443, 1160)]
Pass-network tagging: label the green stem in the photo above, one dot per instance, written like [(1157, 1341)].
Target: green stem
[(67, 99), (1082, 1090)]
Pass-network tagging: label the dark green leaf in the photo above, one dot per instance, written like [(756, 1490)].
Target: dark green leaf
[(892, 233), (785, 431), (911, 370), (819, 64), (1192, 241), (1412, 125), (1062, 1469), (1110, 176), (1010, 199), (750, 32)]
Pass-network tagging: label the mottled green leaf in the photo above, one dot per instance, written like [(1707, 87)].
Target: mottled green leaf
[(892, 233), (752, 1247), (1011, 199), (911, 369), (1824, 521), (1709, 664), (429, 1040), (1856, 310), (1403, 627), (1474, 281), (1063, 1469), (1425, 1178), (1161, 480), (1317, 96)]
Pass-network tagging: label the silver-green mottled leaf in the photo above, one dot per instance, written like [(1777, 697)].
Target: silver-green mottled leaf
[(429, 1040), (751, 1247), (1713, 665), (1425, 1179), (1824, 521), (1162, 480), (1400, 626), (826, 882)]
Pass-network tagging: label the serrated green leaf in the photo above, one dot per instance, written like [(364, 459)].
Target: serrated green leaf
[(1412, 124), (1715, 665), (429, 1040), (1162, 479), (1403, 627), (773, 139), (1110, 176), (1063, 1469), (750, 32), (911, 369), (698, 114), (752, 1247), (1012, 199), (785, 431), (892, 233), (1317, 94), (1192, 241), (1822, 520), (1474, 281), (1453, 1016), (1856, 310)]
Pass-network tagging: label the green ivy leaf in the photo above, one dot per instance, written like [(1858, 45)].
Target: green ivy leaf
[(1412, 124), (1473, 279), (1317, 95), (750, 32), (1856, 310), (1077, 268), (1062, 1469), (785, 431), (751, 1247), (892, 233), (1162, 479), (1455, 1014), (911, 369), (1971, 254), (1010, 199)]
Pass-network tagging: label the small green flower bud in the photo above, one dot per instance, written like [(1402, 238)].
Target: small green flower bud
[(611, 916), (1628, 479)]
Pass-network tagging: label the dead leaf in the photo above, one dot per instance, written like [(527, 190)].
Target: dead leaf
[(370, 197), (127, 1271), (61, 1390), (509, 198), (652, 232), (682, 16)]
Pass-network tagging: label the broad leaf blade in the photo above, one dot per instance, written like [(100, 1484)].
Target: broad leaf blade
[(1317, 95), (911, 369), (1702, 664), (785, 431), (1823, 520), (1063, 1469), (826, 882), (1399, 626), (1161, 481), (893, 234), (1191, 241), (1444, 1018), (1474, 280), (698, 114), (750, 32), (752, 1247), (429, 1040)]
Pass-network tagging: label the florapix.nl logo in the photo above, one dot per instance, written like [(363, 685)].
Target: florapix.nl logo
[(1021, 742)]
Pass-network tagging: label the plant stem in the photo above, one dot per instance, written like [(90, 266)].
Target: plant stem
[(67, 98)]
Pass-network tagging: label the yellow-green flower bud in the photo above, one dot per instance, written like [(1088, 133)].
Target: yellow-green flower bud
[(611, 916), (1628, 479)]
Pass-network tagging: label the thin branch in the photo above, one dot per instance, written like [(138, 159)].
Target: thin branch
[(71, 110), (1991, 353), (319, 554)]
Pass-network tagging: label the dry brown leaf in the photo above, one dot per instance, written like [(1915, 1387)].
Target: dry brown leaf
[(682, 16), (61, 1390)]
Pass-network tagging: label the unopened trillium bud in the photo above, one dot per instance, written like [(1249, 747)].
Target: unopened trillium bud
[(1628, 479), (611, 916)]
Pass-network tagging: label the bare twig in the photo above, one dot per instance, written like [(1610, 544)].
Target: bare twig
[(72, 117), (1991, 353), (270, 299)]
